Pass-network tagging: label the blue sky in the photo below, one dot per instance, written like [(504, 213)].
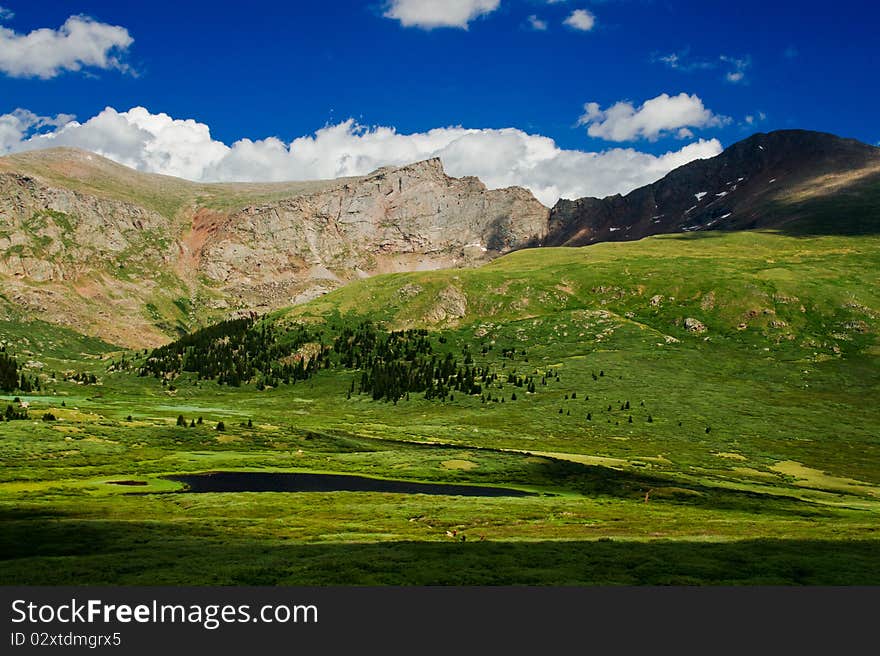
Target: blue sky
[(287, 69)]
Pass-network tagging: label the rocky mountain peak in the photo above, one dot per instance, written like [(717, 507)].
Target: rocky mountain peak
[(133, 257), (744, 187)]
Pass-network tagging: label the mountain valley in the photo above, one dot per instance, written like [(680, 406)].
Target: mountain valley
[(687, 401)]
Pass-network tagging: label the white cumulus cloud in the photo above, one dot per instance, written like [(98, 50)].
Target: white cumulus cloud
[(21, 122), (581, 19), (158, 143), (656, 117), (45, 53), (430, 14)]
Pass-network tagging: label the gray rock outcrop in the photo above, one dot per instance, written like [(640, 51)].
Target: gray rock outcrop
[(91, 244)]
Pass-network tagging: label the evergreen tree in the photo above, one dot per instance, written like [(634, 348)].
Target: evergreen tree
[(8, 373), (13, 415)]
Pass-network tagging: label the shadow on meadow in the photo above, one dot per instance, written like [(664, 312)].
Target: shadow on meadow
[(852, 211), (57, 551)]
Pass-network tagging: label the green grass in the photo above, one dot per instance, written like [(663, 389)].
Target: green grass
[(783, 489)]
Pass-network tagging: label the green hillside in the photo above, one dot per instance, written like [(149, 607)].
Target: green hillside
[(782, 369), (686, 409)]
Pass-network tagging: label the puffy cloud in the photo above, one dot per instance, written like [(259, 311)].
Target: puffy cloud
[(14, 126), (159, 143), (45, 53), (6, 14), (580, 19), (537, 23), (149, 142), (430, 14), (654, 118), (510, 157)]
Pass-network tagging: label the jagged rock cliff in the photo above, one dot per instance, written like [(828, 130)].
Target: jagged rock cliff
[(397, 219), (91, 244)]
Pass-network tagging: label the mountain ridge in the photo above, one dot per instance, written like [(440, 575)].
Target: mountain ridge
[(84, 240), (729, 191), (136, 258)]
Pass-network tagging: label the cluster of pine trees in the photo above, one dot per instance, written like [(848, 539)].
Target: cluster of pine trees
[(436, 377), (527, 382), (82, 378), (394, 365), (358, 347), (240, 351), (12, 414), (124, 364), (11, 378)]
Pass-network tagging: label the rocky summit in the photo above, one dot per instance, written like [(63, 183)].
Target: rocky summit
[(135, 257), (792, 180)]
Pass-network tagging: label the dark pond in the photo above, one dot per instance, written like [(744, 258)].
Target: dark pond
[(284, 482)]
